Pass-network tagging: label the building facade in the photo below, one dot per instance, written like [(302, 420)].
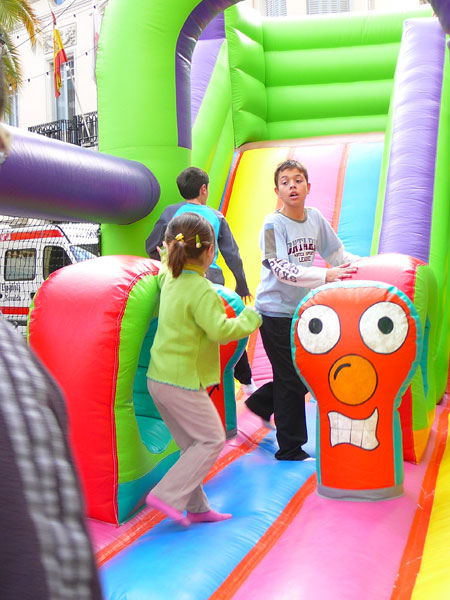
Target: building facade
[(35, 102), (313, 7)]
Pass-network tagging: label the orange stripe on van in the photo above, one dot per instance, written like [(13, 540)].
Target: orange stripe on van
[(30, 235), (14, 310)]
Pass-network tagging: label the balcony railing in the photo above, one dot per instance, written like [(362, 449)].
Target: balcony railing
[(72, 130)]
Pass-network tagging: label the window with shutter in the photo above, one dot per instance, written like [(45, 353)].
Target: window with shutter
[(276, 8), (317, 7)]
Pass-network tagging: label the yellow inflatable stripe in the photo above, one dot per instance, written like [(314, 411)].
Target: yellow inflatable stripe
[(253, 197), (433, 579)]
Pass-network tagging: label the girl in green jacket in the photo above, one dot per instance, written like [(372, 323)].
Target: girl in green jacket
[(185, 361)]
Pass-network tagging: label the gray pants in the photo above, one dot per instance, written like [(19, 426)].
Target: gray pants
[(195, 425)]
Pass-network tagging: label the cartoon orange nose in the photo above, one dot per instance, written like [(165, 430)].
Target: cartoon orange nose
[(353, 379)]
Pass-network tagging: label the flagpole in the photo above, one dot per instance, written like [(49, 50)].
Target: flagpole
[(68, 69)]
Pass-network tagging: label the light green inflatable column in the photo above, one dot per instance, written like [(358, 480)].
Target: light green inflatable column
[(137, 104), (137, 116)]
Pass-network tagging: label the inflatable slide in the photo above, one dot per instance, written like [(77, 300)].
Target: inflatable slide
[(358, 100)]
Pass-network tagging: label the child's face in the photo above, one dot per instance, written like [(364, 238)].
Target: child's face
[(292, 188)]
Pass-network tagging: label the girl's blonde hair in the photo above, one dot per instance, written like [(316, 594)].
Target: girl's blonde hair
[(187, 236)]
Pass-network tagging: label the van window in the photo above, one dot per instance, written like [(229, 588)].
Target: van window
[(85, 251), (20, 264), (55, 257)]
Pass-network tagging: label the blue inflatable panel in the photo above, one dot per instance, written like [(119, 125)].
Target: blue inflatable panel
[(173, 562), (359, 198)]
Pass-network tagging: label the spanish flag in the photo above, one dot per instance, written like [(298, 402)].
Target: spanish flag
[(59, 57)]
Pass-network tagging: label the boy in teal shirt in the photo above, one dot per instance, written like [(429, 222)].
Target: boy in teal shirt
[(193, 184)]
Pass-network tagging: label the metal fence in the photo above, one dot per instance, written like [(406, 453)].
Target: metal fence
[(72, 130)]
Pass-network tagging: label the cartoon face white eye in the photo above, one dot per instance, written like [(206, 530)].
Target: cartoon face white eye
[(319, 329), (384, 327)]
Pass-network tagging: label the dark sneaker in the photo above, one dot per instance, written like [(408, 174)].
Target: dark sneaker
[(302, 455)]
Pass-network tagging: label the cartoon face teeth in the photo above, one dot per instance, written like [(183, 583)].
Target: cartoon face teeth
[(357, 432)]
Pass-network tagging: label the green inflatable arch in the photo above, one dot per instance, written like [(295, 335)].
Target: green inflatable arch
[(268, 83)]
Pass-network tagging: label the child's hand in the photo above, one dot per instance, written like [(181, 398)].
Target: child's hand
[(247, 299), (340, 273), (164, 248), (253, 309)]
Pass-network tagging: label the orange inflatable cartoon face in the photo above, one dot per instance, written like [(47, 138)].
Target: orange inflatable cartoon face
[(356, 346)]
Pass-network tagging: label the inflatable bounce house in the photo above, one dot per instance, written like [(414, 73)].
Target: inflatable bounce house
[(364, 102)]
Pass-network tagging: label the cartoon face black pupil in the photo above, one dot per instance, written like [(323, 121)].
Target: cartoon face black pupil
[(315, 326), (385, 325)]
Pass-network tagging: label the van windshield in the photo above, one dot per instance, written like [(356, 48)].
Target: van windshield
[(85, 251)]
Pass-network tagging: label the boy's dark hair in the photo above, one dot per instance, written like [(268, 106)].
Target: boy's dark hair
[(190, 181), (187, 236), (290, 164)]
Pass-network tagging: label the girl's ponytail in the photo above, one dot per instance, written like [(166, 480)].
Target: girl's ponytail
[(177, 256)]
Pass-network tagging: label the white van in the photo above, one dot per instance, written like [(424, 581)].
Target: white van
[(29, 254)]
